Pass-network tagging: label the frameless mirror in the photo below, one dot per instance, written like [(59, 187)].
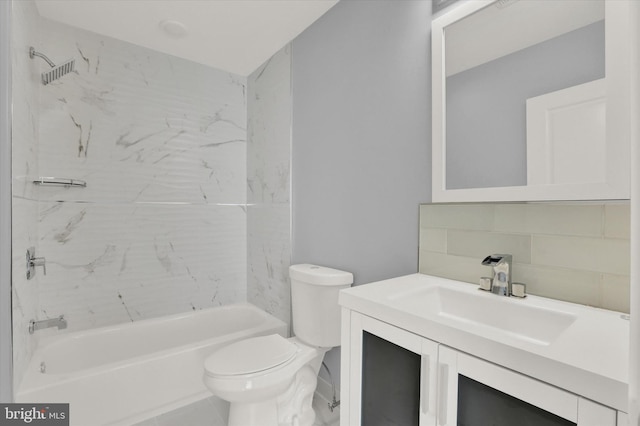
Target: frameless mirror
[(529, 101)]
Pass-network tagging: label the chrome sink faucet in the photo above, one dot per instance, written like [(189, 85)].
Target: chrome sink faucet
[(501, 279)]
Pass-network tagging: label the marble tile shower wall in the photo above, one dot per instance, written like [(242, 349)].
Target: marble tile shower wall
[(574, 252), (161, 142), (26, 80), (269, 185)]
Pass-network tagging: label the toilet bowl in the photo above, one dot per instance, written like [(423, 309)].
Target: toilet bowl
[(270, 380), (254, 374)]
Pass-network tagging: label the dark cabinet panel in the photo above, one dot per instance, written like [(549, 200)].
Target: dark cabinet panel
[(482, 405), (390, 383)]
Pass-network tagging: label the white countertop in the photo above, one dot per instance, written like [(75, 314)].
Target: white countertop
[(589, 357)]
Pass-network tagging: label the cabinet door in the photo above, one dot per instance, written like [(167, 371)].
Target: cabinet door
[(397, 373), (474, 392)]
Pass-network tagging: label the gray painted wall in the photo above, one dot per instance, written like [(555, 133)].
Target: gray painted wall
[(361, 139), (361, 146), (486, 105), (6, 377)]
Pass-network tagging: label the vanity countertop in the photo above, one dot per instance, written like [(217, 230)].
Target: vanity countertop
[(575, 347)]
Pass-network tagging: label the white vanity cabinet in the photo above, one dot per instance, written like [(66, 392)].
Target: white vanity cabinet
[(474, 389), (417, 366), (444, 386)]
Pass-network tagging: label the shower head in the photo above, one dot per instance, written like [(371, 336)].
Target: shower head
[(56, 71)]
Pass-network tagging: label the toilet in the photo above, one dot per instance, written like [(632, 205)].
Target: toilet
[(270, 380)]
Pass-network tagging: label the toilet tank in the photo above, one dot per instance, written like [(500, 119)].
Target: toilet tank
[(314, 301)]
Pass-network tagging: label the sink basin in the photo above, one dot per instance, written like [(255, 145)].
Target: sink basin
[(485, 313)]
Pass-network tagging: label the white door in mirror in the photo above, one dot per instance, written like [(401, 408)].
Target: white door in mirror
[(566, 136)]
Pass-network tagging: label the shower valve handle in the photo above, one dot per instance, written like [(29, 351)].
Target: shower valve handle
[(33, 261), (40, 261)]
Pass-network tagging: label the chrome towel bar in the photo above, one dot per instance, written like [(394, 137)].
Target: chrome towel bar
[(53, 181)]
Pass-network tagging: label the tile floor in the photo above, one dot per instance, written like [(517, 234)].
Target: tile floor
[(215, 412)]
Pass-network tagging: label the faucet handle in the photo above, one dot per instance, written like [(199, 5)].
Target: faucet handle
[(519, 290), (485, 283)]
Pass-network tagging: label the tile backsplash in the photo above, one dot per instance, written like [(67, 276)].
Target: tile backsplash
[(578, 252)]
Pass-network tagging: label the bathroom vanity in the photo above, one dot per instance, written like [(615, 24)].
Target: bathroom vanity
[(423, 350)]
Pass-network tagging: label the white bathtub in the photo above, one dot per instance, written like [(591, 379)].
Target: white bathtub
[(124, 374)]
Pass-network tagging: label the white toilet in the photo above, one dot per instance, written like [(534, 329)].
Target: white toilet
[(270, 380)]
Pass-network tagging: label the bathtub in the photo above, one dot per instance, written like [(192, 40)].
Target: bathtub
[(127, 373)]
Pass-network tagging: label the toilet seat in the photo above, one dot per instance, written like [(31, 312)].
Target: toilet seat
[(250, 356), (263, 384)]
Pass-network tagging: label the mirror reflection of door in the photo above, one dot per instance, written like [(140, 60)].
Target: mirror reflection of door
[(508, 53)]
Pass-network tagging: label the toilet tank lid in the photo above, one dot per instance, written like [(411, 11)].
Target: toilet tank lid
[(319, 275)]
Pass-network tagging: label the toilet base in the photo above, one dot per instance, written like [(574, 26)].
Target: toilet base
[(295, 404), (291, 408), (254, 413)]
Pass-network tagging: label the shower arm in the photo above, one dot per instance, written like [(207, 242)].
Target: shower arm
[(32, 53)]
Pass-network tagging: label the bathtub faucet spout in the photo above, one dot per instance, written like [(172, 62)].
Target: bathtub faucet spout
[(59, 322)]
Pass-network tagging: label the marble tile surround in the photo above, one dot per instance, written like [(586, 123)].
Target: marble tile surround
[(161, 142), (180, 212), (112, 263), (24, 163), (140, 126), (269, 186), (568, 251)]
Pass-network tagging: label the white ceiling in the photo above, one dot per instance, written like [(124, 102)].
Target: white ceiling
[(233, 35)]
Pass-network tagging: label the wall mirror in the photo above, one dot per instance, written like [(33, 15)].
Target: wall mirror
[(531, 101)]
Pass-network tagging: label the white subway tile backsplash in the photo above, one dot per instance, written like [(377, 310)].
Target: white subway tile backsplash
[(617, 223), (615, 292), (588, 254), (471, 216), (481, 244), (560, 283), (432, 239), (461, 268), (568, 251), (579, 220)]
